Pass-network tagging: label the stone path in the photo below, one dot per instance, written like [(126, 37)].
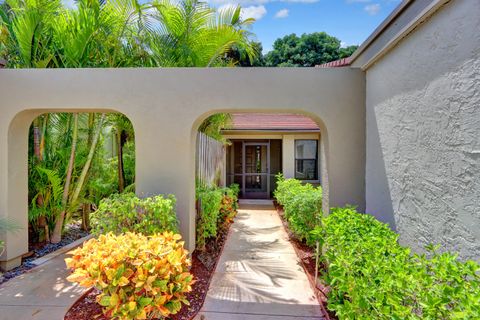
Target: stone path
[(40, 294), (259, 276)]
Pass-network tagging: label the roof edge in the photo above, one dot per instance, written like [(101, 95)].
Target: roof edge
[(376, 33), (402, 21)]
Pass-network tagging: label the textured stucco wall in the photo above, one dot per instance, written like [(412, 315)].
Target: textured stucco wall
[(166, 106), (423, 133)]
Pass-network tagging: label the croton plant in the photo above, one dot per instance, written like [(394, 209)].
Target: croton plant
[(139, 276)]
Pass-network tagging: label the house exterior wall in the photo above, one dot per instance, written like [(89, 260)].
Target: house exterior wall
[(284, 162), (166, 107), (423, 133)]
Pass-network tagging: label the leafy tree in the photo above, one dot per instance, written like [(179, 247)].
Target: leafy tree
[(307, 50), (120, 33)]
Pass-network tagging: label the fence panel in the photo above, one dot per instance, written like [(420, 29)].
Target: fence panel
[(210, 164)]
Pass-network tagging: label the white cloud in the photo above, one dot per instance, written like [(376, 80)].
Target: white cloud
[(282, 13), (255, 12), (372, 9)]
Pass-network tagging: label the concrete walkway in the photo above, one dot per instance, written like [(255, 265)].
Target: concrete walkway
[(259, 275), (40, 294)]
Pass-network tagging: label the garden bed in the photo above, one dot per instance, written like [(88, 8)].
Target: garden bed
[(38, 250), (306, 255), (203, 267)]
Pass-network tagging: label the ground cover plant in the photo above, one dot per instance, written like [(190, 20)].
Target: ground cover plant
[(126, 212), (371, 276), (139, 276), (302, 204)]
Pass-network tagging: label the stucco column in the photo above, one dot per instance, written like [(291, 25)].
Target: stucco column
[(288, 156), (13, 194), (165, 165)]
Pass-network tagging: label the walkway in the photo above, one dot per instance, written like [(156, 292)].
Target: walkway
[(40, 294), (258, 275)]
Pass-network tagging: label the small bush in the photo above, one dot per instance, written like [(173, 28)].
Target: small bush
[(217, 208), (228, 205), (372, 277), (302, 205), (139, 277), (210, 200), (125, 212)]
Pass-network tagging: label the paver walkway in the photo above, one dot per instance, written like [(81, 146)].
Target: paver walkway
[(40, 294), (259, 275)]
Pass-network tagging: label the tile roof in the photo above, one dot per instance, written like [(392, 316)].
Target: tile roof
[(272, 121), (335, 64)]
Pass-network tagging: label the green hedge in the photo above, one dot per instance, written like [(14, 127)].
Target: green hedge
[(372, 277), (302, 204), (216, 206), (126, 212)]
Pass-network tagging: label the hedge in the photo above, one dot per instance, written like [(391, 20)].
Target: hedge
[(302, 204), (371, 276)]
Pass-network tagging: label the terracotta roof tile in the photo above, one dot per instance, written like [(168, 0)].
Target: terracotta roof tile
[(335, 64), (272, 121)]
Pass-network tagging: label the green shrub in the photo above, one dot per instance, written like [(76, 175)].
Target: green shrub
[(209, 208), (125, 212), (302, 205), (372, 277), (228, 205), (217, 207)]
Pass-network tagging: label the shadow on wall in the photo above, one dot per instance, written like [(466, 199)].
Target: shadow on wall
[(378, 195)]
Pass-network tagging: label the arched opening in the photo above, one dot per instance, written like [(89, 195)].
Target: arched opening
[(258, 145), (249, 149), (61, 164)]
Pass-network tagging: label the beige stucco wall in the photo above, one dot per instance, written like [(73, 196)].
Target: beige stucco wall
[(423, 133), (166, 106)]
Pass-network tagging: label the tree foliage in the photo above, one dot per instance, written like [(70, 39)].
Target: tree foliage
[(308, 50), (120, 33)]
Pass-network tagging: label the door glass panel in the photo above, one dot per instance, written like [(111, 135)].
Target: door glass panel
[(256, 159), (256, 183)]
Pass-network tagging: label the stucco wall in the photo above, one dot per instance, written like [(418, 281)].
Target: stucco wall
[(166, 106), (423, 133)]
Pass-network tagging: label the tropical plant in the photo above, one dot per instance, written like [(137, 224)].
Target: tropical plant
[(120, 33), (213, 125), (228, 206), (125, 212), (139, 277)]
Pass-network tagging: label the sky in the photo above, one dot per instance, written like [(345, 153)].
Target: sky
[(351, 21)]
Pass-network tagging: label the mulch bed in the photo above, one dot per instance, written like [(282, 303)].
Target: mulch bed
[(203, 267), (37, 250), (306, 255)]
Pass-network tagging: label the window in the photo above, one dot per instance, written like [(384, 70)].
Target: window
[(306, 159)]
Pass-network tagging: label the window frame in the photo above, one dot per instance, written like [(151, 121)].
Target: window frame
[(316, 177)]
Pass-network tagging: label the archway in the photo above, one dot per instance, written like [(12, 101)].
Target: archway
[(43, 157)]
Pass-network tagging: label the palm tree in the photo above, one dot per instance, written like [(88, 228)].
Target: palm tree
[(191, 34)]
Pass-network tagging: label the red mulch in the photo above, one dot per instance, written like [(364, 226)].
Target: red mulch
[(203, 266), (306, 255)]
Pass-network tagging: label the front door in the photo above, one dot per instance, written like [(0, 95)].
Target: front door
[(256, 170)]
